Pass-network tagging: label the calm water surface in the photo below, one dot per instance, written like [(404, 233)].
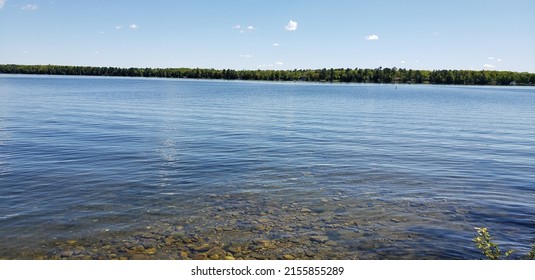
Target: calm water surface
[(308, 170)]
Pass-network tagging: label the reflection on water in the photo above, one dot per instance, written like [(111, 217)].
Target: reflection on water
[(179, 169)]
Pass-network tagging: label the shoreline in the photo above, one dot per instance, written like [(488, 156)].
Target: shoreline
[(379, 75)]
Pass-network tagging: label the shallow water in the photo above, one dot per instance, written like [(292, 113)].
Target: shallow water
[(97, 167)]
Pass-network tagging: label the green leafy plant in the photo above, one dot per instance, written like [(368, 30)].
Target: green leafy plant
[(531, 254), (488, 248), (491, 250)]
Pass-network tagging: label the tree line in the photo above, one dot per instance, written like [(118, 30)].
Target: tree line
[(357, 75)]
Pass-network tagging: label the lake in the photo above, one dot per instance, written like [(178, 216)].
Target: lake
[(133, 168)]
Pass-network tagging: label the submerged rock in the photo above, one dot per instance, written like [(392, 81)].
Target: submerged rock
[(169, 240), (66, 254), (139, 257), (234, 249), (263, 242), (331, 243), (288, 257), (257, 256), (319, 239), (200, 247), (150, 251), (200, 257), (216, 253)]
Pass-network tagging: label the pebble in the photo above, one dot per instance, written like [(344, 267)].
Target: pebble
[(331, 243), (169, 240), (138, 248), (257, 256), (150, 251), (200, 257), (66, 254), (310, 253), (259, 227), (139, 257), (234, 249), (262, 242), (294, 240), (319, 239), (147, 235), (288, 257), (79, 250), (200, 248), (216, 253)]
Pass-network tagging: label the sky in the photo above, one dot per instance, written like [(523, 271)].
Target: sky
[(274, 34)]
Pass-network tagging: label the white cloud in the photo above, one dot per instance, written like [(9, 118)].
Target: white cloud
[(372, 37), (291, 26), (118, 27), (246, 55), (31, 7), (278, 63), (435, 33), (490, 58), (403, 62), (499, 59), (242, 29), (133, 26), (275, 44), (489, 66), (96, 52), (2, 2)]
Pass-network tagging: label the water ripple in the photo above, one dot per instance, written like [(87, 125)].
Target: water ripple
[(82, 156)]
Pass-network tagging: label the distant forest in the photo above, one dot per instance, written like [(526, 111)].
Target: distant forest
[(357, 75)]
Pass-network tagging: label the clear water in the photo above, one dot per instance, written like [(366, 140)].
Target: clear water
[(383, 171)]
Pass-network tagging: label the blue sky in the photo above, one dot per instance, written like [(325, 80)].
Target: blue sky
[(275, 34)]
